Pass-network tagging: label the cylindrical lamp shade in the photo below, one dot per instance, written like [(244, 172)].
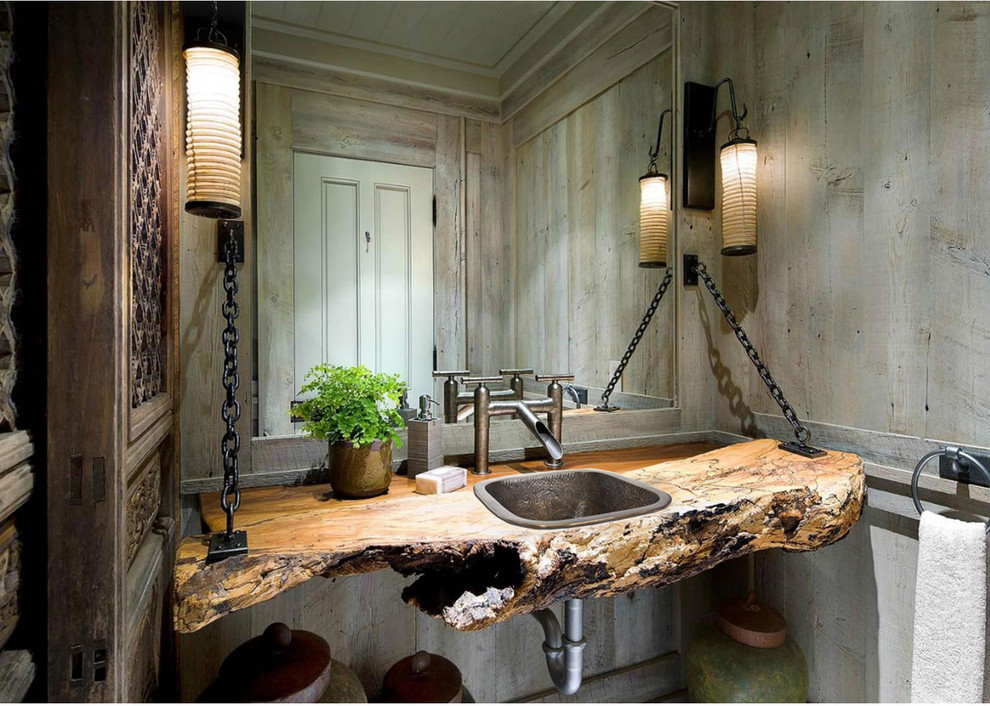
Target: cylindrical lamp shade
[(213, 131), (653, 216), (738, 159)]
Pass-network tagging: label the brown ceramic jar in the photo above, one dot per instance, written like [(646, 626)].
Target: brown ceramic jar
[(360, 472)]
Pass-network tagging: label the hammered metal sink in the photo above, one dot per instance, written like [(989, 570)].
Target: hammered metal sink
[(557, 499)]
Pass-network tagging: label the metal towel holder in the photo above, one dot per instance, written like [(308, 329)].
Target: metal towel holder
[(955, 454)]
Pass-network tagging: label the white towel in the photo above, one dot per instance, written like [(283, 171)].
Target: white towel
[(949, 611)]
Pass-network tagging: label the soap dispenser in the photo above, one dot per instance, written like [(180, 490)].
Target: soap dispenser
[(425, 439)]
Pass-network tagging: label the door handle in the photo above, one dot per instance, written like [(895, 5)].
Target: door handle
[(367, 241)]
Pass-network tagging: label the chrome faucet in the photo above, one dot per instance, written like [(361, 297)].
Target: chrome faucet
[(454, 401), (547, 434)]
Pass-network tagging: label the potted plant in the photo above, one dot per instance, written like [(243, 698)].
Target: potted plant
[(357, 412)]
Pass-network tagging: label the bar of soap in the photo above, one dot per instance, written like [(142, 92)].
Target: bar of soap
[(441, 480)]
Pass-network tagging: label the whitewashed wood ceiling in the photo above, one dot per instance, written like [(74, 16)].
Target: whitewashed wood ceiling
[(479, 37)]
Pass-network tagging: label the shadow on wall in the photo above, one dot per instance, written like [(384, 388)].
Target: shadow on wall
[(723, 376)]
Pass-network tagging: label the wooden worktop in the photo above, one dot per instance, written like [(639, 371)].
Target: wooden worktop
[(474, 569)]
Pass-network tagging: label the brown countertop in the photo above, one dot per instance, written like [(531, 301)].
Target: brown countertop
[(475, 570)]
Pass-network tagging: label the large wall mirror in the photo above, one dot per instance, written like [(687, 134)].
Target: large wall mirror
[(455, 186)]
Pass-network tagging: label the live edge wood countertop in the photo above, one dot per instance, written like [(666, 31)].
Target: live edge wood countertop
[(474, 570)]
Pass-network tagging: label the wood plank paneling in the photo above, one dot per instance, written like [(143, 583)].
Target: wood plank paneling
[(488, 252), (342, 127), (276, 342), (958, 403), (450, 295), (580, 293)]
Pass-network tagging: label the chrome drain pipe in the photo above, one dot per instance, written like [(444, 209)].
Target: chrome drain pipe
[(564, 648)]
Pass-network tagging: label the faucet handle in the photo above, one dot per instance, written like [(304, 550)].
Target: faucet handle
[(515, 371), (450, 374), (562, 377), (480, 379)]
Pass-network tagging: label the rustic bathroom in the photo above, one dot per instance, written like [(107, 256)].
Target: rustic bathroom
[(544, 351)]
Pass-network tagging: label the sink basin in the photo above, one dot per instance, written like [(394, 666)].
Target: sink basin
[(580, 496)]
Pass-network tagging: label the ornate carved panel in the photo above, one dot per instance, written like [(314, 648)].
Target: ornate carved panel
[(10, 572), (8, 254), (148, 147), (143, 504)]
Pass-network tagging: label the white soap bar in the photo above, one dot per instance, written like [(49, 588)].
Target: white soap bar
[(441, 480)]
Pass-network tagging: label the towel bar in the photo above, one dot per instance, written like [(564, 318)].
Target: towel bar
[(952, 452)]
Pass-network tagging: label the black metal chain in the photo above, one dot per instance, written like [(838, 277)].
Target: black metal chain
[(230, 445), (801, 432), (643, 325)]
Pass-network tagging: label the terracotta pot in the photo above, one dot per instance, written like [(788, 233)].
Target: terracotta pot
[(360, 472)]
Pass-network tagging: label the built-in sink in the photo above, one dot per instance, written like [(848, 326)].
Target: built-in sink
[(580, 496)]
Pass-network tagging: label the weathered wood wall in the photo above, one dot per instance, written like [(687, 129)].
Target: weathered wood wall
[(870, 295), (581, 293)]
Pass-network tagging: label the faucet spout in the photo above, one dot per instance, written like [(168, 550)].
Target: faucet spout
[(540, 430)]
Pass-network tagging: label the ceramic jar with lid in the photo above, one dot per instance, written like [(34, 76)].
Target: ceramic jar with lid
[(279, 665), (745, 655), (283, 665), (423, 678)]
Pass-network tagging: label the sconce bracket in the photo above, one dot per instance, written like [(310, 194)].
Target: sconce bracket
[(699, 146), (226, 229), (690, 269)]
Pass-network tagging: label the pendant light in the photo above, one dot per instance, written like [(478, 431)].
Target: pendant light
[(654, 210), (213, 125), (738, 160)]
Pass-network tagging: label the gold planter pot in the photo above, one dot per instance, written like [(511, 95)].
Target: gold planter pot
[(360, 472)]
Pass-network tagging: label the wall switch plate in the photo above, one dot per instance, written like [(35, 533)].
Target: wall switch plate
[(690, 267)]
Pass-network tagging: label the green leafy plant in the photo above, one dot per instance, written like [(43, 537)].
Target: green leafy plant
[(351, 404)]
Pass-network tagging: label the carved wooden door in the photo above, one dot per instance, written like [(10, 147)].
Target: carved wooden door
[(114, 83)]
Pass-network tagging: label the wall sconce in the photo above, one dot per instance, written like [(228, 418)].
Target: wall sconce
[(213, 125), (738, 160), (654, 210), (213, 158)]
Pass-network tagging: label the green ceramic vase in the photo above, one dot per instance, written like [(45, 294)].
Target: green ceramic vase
[(345, 687), (719, 669), (360, 472)]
